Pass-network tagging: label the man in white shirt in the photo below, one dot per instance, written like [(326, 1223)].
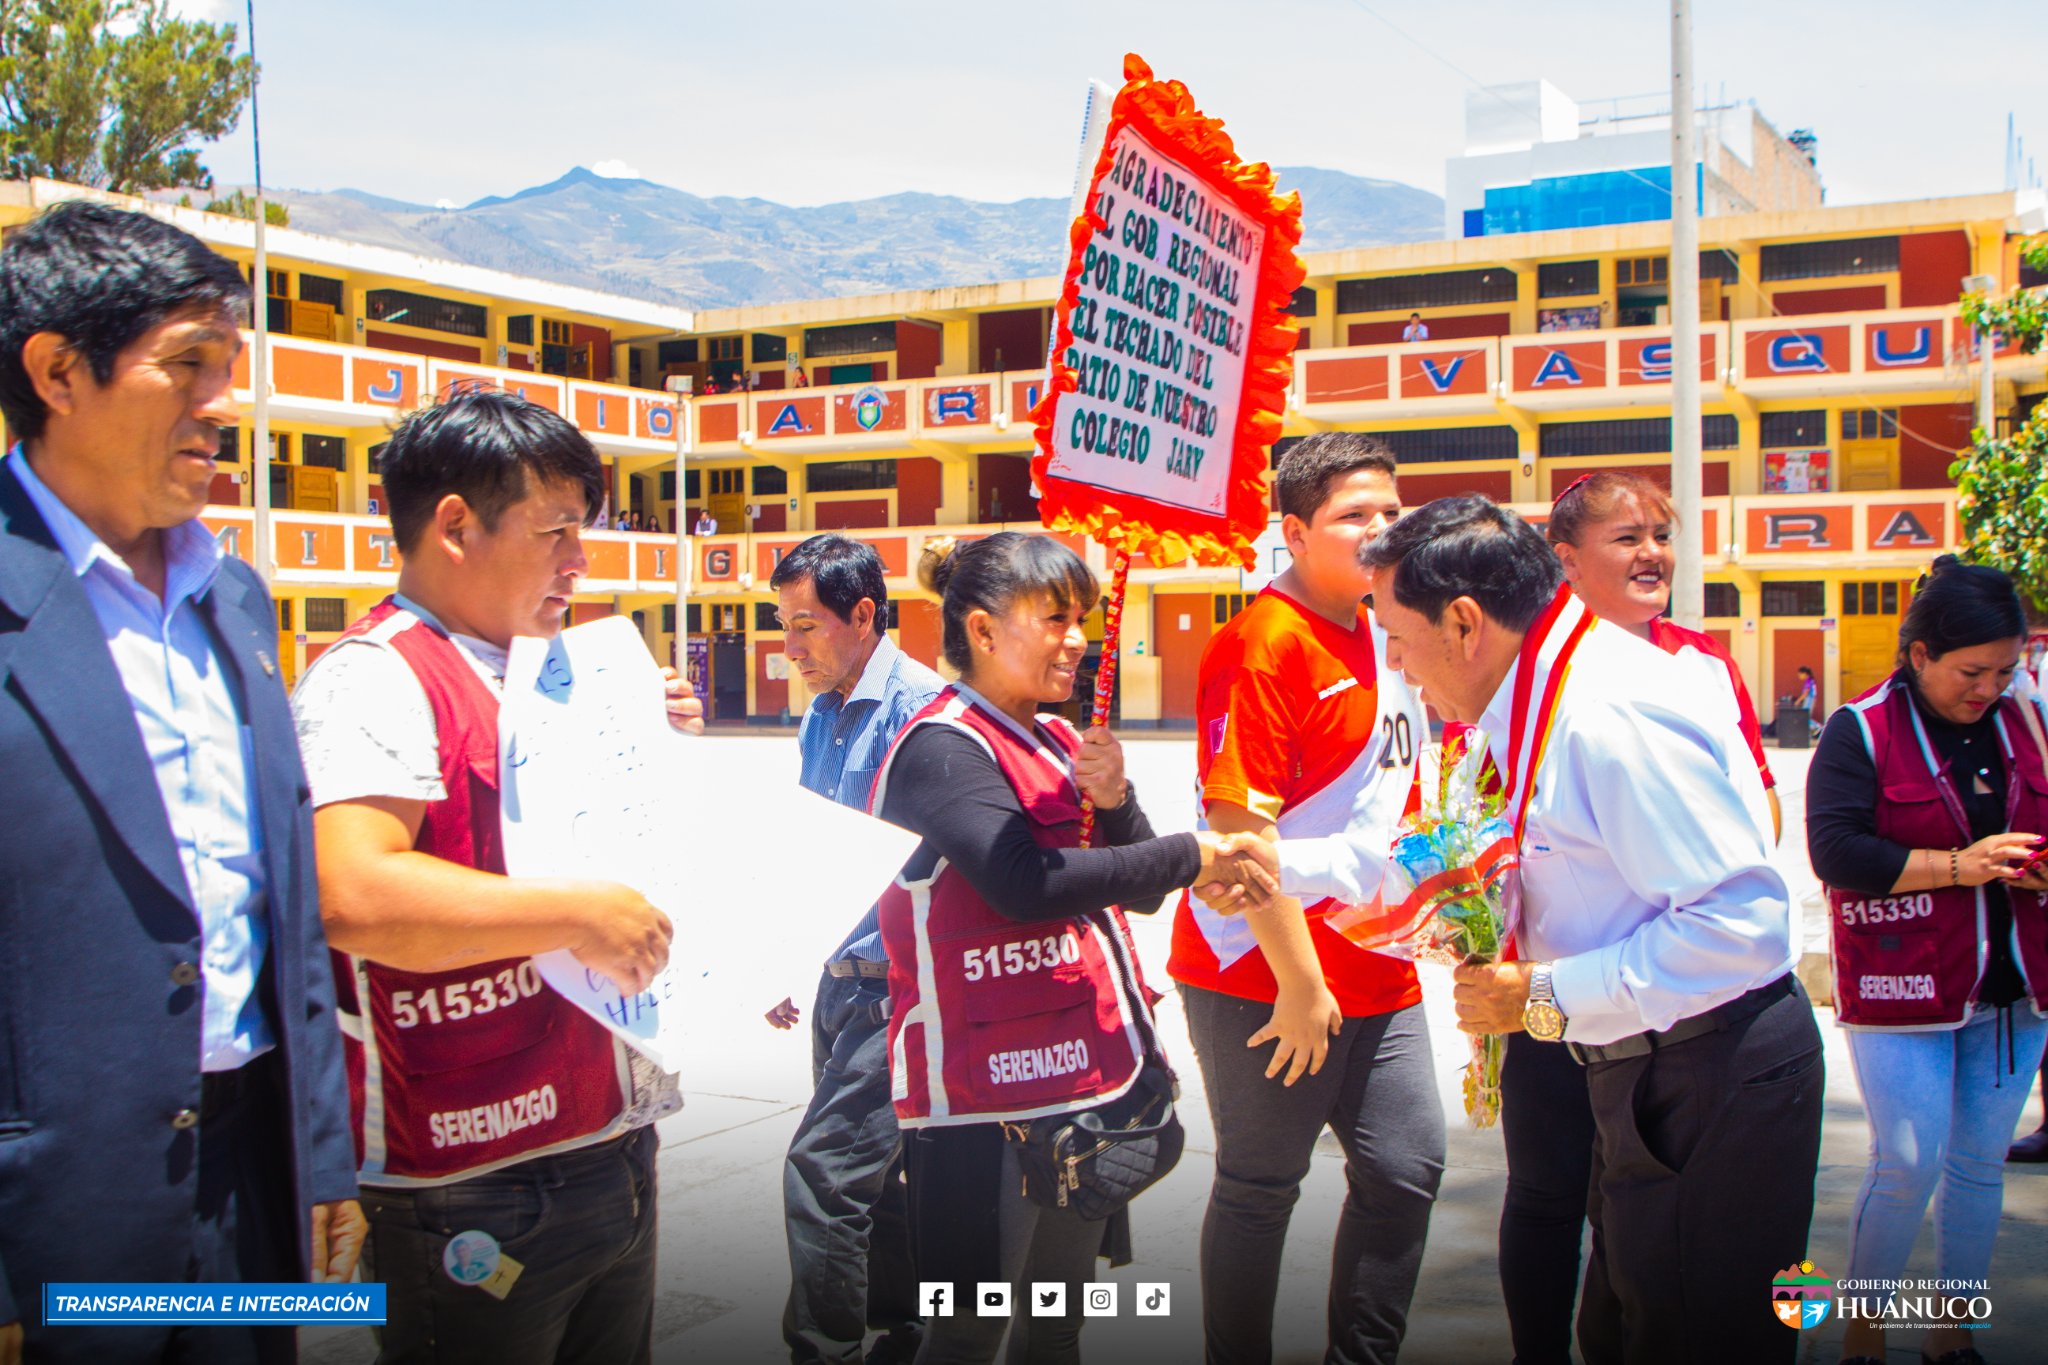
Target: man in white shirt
[(1655, 935), (1416, 330)]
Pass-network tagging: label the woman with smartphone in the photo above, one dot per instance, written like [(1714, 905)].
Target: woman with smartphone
[(1926, 803)]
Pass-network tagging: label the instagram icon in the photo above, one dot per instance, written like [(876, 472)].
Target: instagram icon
[(1098, 1301)]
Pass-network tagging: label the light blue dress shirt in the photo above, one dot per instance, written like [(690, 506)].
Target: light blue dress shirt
[(200, 750), (843, 741)]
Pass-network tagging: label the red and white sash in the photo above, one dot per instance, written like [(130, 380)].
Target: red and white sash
[(1541, 668)]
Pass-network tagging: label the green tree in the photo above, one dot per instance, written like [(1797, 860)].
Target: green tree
[(242, 204), (2003, 481), (108, 93)]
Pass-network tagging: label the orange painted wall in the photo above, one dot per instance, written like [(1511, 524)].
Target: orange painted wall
[(1931, 268), (1929, 437), (1800, 302), (446, 350), (1416, 489), (920, 631), (918, 350), (600, 342)]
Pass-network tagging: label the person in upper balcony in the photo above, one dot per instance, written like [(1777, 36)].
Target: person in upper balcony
[(1416, 330)]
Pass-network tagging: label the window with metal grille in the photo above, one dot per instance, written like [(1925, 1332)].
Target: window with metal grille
[(1437, 444), (1567, 279), (320, 289), (326, 452), (519, 330), (425, 311), (1723, 599), (1718, 265), (1438, 289), (284, 613), (765, 618), (857, 338), (693, 619), (1870, 599), (555, 332), (668, 618), (726, 481), (1870, 424), (1630, 436), (1642, 270), (769, 479), (1226, 605), (851, 476), (676, 353), (1795, 599), (1785, 429), (768, 346), (1304, 302), (727, 348), (326, 614), (230, 446), (1818, 260)]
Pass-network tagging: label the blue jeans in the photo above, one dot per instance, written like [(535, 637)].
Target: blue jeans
[(1942, 1108), (582, 1227)]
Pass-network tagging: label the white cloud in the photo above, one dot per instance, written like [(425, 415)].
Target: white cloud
[(615, 169), (212, 11), (445, 204)]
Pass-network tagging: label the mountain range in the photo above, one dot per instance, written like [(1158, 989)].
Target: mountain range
[(644, 240)]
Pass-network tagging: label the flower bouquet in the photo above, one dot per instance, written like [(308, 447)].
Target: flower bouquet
[(1449, 896)]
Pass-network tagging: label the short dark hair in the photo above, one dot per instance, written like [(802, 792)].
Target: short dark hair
[(1468, 547), (1957, 605), (1302, 479), (842, 570), (99, 277), (1807, 671), (488, 446), (994, 574)]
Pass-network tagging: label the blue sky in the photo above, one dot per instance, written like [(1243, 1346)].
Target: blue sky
[(808, 103)]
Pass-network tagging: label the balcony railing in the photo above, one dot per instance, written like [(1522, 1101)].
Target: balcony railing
[(1897, 528)]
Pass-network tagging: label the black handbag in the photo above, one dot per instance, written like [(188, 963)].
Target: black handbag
[(1097, 1160)]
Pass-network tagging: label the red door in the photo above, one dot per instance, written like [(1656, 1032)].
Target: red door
[(1181, 625)]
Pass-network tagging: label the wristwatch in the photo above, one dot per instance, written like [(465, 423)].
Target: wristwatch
[(1541, 1018)]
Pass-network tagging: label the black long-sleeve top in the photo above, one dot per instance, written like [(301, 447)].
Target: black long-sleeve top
[(1841, 820), (947, 788)]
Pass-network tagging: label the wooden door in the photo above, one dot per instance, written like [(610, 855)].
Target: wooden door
[(1869, 465), (1182, 623), (1870, 633), (1789, 649)]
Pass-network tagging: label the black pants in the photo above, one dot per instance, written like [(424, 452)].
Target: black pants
[(1702, 1191), (1377, 1093), (582, 1227), (1546, 1119), (843, 1198)]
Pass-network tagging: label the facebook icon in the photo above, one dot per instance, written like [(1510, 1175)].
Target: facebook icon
[(937, 1298)]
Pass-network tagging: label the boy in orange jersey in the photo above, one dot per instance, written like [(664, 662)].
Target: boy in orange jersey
[(1302, 731)]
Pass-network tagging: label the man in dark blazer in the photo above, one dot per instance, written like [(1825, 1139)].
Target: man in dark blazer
[(172, 1102)]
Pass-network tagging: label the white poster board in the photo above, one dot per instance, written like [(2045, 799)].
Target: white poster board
[(596, 785), (1161, 323)]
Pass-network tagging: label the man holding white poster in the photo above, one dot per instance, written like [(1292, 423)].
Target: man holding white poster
[(488, 1110)]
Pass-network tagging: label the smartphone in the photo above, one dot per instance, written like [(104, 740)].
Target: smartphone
[(2033, 864)]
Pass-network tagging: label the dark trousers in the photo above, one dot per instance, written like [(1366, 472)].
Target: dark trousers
[(1702, 1191), (582, 1227), (1376, 1092), (844, 1206), (1546, 1120)]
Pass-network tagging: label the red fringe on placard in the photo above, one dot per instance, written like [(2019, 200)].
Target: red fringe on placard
[(1166, 115)]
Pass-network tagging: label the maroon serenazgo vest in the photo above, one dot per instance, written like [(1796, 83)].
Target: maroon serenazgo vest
[(992, 1018), (1916, 959), (462, 1071)]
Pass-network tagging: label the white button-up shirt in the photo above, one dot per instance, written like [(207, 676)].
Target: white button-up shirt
[(201, 752), (1645, 878)]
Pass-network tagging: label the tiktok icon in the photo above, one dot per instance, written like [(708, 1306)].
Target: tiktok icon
[(1155, 1300)]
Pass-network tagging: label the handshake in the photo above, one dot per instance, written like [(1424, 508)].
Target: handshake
[(1239, 872)]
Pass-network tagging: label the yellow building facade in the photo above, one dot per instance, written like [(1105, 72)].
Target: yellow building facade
[(1838, 384)]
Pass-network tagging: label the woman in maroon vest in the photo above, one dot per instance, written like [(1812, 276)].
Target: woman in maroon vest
[(1016, 996), (1925, 801)]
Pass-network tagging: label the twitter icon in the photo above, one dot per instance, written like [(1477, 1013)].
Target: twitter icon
[(1048, 1299)]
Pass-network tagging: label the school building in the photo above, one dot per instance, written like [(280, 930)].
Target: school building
[(1839, 382)]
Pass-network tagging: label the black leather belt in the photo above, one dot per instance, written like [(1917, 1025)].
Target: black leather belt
[(220, 1091), (853, 966), (1713, 1021)]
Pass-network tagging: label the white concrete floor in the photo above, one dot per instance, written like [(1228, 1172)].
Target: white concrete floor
[(724, 1271)]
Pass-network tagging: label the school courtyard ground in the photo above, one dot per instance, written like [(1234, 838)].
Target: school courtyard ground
[(723, 1263)]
